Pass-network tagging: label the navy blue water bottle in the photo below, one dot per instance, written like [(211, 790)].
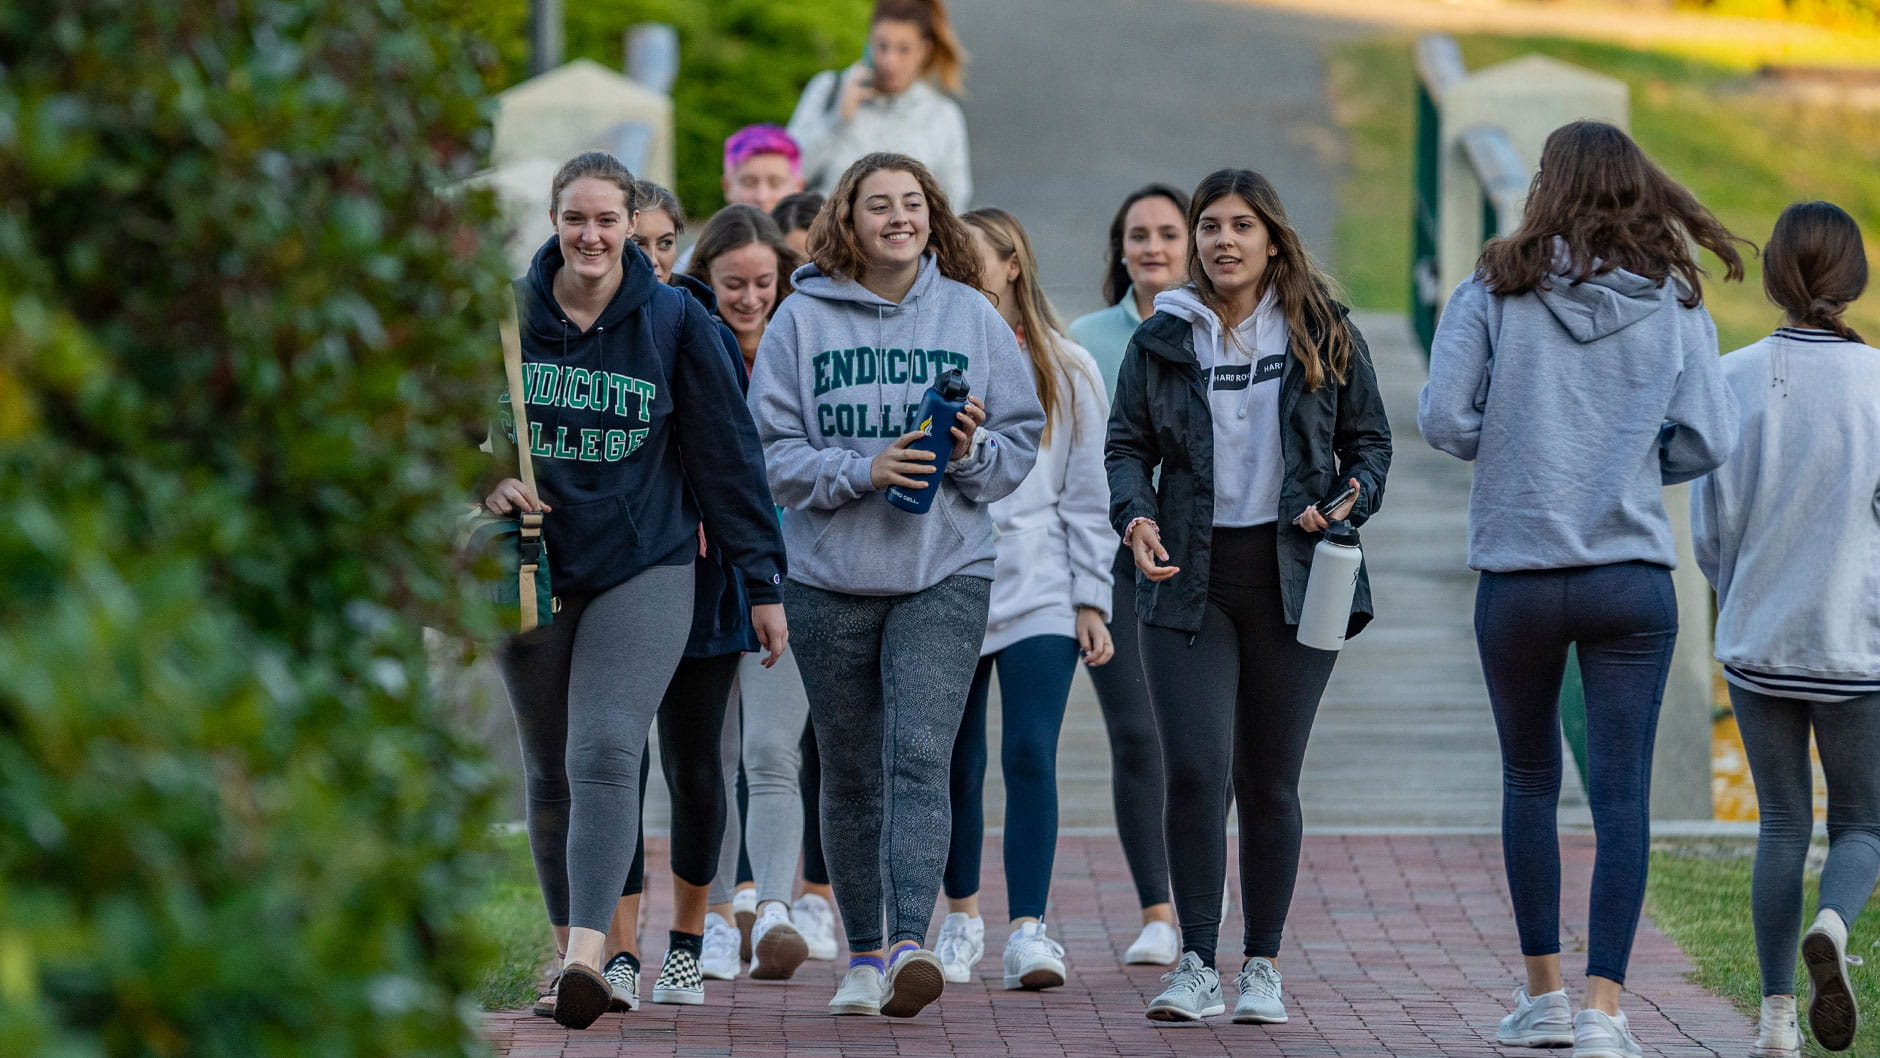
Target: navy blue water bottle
[(939, 409)]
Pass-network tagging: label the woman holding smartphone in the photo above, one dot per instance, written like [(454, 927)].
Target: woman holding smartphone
[(898, 98), (1252, 393), (892, 604), (1578, 370), (1148, 253), (1787, 533)]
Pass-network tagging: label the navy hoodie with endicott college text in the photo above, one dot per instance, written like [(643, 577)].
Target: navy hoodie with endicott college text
[(639, 431)]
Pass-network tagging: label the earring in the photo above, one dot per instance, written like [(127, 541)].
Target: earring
[(1272, 251)]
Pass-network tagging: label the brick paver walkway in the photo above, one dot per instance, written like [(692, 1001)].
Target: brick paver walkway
[(1398, 945)]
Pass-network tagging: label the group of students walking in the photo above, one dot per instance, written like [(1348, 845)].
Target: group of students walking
[(721, 435)]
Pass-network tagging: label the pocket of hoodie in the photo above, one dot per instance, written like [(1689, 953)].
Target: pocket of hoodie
[(600, 541)]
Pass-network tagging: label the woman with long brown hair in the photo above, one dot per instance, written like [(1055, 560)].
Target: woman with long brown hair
[(1050, 607), (1604, 388), (899, 98), (893, 603), (1786, 531), (1253, 393)]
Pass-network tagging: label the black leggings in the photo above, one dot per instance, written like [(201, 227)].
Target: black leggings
[(691, 722), (809, 786), (1135, 751), (1236, 698)]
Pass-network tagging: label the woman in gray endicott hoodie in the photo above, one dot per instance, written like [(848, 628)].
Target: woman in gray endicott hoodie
[(1788, 531), (1578, 370), (890, 607)]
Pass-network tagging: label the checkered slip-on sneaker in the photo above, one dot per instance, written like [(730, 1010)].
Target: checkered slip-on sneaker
[(624, 977), (680, 980)]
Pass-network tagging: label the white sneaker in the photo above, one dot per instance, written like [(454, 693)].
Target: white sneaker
[(1833, 1015), (914, 980), (777, 949), (1157, 945), (744, 913), (719, 962), (816, 921), (1545, 1020), (1260, 1000), (860, 992), (1777, 1034), (962, 944), (1193, 992), (1597, 1034), (1033, 960)]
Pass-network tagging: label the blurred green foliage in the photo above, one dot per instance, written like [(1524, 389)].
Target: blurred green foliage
[(740, 62), (240, 336)]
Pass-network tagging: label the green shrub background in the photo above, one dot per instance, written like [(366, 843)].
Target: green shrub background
[(740, 62), (240, 335)]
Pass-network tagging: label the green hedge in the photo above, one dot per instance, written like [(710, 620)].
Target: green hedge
[(1858, 15), (239, 338), (740, 62)]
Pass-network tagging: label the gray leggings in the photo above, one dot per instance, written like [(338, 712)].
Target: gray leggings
[(1775, 735), (768, 736), (886, 678), (585, 690)]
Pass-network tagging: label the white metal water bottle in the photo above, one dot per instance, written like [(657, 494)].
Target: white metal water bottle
[(1334, 579)]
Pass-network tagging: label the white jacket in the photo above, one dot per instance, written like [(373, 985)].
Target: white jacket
[(1788, 531), (1055, 545), (922, 122)]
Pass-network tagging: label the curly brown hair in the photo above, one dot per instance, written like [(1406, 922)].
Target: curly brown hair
[(1316, 328), (836, 251), (1612, 207)]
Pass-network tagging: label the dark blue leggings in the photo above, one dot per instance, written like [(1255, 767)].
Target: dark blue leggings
[(1624, 620), (1034, 683)]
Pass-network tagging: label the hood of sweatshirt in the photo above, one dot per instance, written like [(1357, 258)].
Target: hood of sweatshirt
[(545, 316), (1602, 305), (840, 374), (1184, 302), (699, 289)]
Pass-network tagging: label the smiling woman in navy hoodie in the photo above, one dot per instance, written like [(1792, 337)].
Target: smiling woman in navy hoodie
[(891, 605), (631, 398)]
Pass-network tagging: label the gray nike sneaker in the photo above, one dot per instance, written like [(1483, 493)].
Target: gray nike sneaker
[(1193, 992), (1260, 997)]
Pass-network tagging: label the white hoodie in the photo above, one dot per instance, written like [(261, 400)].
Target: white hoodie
[(1243, 381), (1055, 546)]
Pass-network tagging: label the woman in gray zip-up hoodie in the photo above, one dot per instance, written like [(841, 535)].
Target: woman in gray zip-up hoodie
[(1578, 370), (1789, 534), (891, 606)]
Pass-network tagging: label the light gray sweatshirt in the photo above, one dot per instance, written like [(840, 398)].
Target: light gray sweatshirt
[(839, 375), (1577, 402), (923, 123), (1788, 531)]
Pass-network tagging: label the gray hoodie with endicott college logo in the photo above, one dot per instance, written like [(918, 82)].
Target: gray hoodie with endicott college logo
[(839, 375)]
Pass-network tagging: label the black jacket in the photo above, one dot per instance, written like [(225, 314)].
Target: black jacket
[(639, 432), (1161, 418), (721, 596)]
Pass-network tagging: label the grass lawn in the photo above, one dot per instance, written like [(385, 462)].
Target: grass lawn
[(1746, 155), (514, 925), (1701, 899)]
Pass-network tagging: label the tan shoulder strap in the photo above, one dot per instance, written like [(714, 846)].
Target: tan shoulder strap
[(512, 365)]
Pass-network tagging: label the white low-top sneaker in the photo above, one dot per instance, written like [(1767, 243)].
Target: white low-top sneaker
[(1597, 1034), (719, 960), (1032, 959), (1833, 1016), (1545, 1020), (1261, 1001), (1157, 945), (816, 921), (777, 949), (1777, 1034), (860, 992), (744, 915), (1193, 992), (914, 980), (962, 944)]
